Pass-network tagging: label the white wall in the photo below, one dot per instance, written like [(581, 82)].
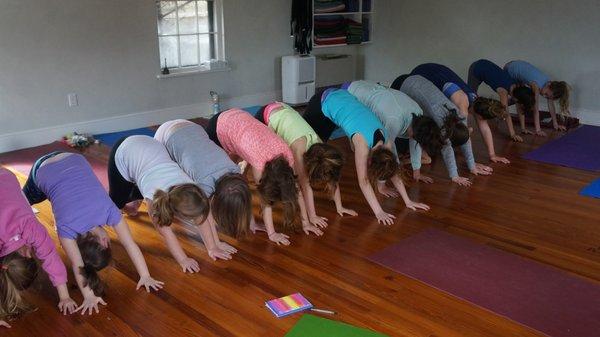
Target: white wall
[(561, 37), (106, 51)]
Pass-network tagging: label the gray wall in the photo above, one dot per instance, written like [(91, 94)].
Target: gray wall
[(561, 37), (106, 51)]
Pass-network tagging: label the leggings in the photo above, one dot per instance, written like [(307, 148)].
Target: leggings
[(32, 192), (473, 81), (120, 190), (314, 116)]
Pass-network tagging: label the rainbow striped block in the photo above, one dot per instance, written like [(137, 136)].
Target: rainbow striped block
[(288, 305)]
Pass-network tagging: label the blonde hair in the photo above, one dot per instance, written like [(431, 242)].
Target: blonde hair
[(184, 201), (561, 91), (17, 273)]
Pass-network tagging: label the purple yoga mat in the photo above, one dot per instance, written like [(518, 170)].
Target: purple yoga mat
[(538, 296), (577, 149)]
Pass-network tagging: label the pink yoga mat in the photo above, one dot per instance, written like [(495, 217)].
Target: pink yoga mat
[(23, 160), (533, 294)]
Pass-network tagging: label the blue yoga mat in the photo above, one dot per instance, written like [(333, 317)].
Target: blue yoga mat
[(578, 149), (109, 139), (592, 190)]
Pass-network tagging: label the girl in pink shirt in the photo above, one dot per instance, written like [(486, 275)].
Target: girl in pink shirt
[(20, 233), (245, 138)]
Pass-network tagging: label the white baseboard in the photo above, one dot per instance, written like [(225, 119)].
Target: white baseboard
[(590, 117), (35, 137)]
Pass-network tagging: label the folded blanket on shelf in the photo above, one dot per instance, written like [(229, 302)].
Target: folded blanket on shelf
[(330, 41), (329, 6)]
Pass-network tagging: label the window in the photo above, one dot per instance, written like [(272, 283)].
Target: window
[(190, 35)]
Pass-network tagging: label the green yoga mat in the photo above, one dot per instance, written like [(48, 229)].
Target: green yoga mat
[(313, 326)]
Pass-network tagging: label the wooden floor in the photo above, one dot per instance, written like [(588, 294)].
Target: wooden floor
[(526, 208)]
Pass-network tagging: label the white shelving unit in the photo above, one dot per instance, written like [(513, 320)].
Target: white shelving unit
[(362, 16)]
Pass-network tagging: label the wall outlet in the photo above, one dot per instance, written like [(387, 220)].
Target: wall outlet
[(72, 99)]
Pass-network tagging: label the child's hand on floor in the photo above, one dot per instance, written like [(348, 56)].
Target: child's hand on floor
[(149, 283), (189, 265), (482, 170), (527, 132), (416, 205), (279, 238), (386, 190), (560, 128), (227, 247), (90, 304), (218, 253), (462, 181), (4, 324), (385, 218), (309, 228), (516, 138), (498, 159), (67, 306), (343, 210), (540, 133), (318, 221)]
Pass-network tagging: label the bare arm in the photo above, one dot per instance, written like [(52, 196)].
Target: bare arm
[(310, 211), (509, 123), (135, 254), (186, 263), (210, 238), (337, 199), (552, 110), (536, 111), (361, 154), (224, 246), (402, 189), (90, 300), (267, 212), (486, 134)]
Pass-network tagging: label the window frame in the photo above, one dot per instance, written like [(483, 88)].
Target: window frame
[(218, 63)]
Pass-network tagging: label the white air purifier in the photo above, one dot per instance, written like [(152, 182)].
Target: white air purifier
[(297, 79)]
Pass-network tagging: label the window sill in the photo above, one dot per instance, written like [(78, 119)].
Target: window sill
[(214, 68)]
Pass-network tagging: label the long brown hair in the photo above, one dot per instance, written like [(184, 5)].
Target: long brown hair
[(185, 201), (382, 165), (278, 184), (17, 273), (489, 108), (324, 164), (95, 258), (560, 90), (232, 204)]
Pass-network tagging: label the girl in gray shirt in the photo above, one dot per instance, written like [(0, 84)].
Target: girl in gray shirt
[(437, 106)]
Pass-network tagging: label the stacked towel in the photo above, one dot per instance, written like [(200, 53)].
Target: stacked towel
[(330, 29), (329, 6), (355, 32)]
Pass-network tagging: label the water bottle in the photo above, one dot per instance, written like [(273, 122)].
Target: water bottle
[(214, 96)]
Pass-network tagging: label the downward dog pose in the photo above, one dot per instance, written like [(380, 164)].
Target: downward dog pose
[(403, 118), (464, 98), (316, 163), (526, 73), (211, 169), (140, 169), (81, 208), (444, 113), (271, 161), (21, 238), (374, 158), (485, 71)]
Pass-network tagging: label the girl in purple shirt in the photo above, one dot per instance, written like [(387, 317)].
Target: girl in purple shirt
[(22, 237), (81, 208)]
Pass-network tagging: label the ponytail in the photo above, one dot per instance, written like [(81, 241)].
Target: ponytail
[(161, 209), (95, 258), (454, 129), (17, 273), (489, 108), (186, 201)]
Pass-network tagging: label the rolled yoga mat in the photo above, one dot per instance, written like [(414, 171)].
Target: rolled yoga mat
[(578, 149), (530, 293)]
